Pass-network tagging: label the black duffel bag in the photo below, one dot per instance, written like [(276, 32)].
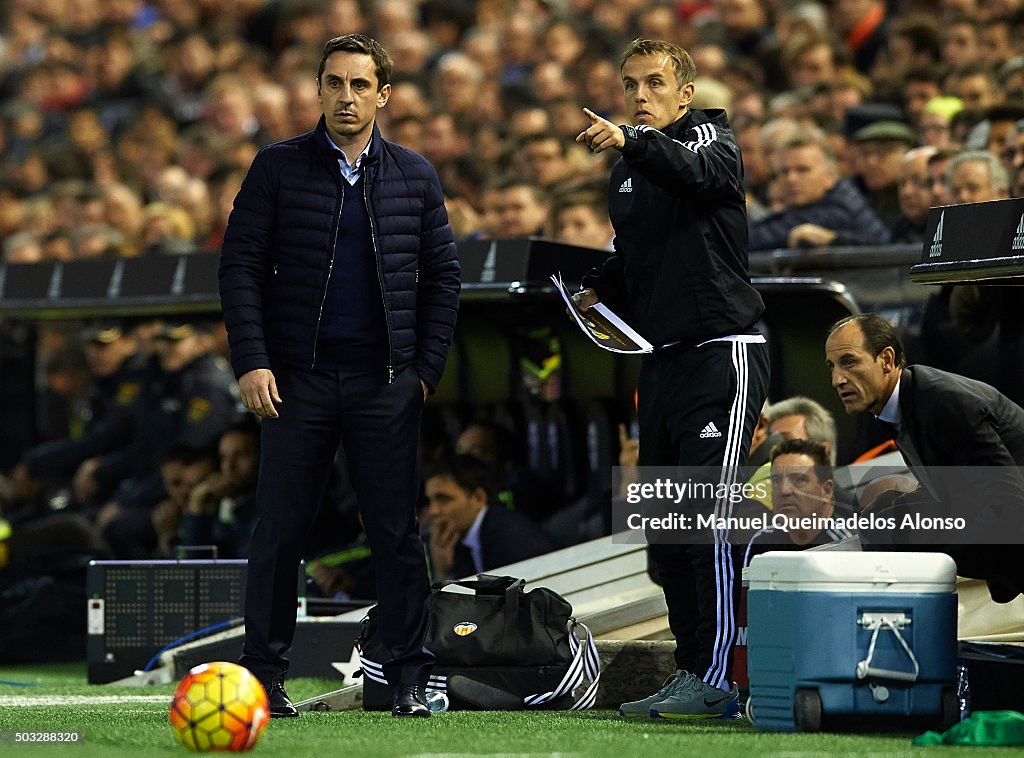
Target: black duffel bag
[(496, 646)]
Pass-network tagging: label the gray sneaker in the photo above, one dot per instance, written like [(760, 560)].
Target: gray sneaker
[(642, 708), (695, 699)]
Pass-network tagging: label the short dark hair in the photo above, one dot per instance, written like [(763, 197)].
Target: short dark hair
[(934, 74), (814, 450), (528, 139), (878, 335), (468, 471), (595, 201), (683, 64), (509, 181), (359, 43), (923, 34)]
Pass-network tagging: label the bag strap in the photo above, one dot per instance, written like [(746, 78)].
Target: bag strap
[(510, 639), (483, 584), (585, 661)]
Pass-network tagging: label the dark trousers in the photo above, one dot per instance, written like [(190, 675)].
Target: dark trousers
[(698, 408), (378, 424)]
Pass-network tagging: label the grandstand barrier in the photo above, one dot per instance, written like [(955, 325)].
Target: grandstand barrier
[(975, 242), (506, 297)]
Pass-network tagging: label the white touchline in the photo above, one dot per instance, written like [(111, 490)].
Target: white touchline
[(29, 700)]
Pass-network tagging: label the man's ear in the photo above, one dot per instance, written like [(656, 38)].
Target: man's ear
[(686, 94), (479, 497), (829, 486), (888, 356), (382, 95)]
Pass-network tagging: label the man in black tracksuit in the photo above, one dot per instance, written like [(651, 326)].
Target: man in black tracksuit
[(679, 274), (339, 283)]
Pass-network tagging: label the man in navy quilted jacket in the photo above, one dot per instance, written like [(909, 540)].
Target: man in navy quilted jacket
[(339, 283)]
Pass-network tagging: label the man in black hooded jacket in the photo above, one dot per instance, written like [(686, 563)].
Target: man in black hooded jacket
[(679, 275)]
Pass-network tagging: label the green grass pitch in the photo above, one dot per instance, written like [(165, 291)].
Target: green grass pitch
[(137, 727)]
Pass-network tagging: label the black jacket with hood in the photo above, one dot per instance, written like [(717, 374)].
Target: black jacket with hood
[(676, 199)]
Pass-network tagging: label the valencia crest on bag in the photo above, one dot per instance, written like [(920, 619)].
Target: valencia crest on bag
[(497, 647)]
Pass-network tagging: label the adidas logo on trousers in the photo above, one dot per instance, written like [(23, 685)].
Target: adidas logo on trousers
[(710, 431)]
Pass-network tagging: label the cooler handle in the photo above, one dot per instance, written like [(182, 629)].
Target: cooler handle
[(893, 622)]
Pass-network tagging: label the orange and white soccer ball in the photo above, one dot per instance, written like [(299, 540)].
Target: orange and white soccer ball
[(219, 707)]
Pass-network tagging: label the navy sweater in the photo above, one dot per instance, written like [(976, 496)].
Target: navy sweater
[(353, 330)]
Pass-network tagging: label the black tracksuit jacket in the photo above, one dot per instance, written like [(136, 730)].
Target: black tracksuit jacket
[(679, 270)]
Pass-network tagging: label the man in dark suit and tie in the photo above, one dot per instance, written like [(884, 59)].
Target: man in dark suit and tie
[(962, 439), (468, 535)]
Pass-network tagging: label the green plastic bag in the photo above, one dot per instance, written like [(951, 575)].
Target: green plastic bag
[(988, 728)]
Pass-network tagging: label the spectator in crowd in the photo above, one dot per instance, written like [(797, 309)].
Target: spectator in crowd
[(940, 420), (977, 176), (915, 195), (580, 217), (913, 43), (123, 210), (469, 533), (991, 132), (996, 41), (182, 469), (456, 83), (880, 148), (973, 85), (938, 177), (960, 41), (489, 218), (820, 208), (545, 159), (936, 123), (809, 60), (523, 207), (1013, 158), (221, 508), (23, 247), (862, 25), (920, 86)]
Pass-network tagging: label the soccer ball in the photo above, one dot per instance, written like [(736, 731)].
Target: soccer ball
[(219, 707)]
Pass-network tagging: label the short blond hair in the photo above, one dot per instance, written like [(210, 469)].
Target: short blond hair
[(682, 63)]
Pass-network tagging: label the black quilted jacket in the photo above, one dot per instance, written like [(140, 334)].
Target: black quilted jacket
[(279, 247)]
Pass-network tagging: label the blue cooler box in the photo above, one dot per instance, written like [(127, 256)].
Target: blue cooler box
[(837, 636)]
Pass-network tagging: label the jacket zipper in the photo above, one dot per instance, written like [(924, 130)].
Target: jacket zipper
[(330, 269), (380, 276)]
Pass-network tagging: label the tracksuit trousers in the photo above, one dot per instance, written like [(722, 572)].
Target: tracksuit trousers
[(698, 407)]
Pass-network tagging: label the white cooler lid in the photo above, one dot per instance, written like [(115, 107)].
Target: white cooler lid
[(852, 572)]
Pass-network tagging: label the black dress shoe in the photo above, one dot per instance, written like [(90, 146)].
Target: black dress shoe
[(410, 700), (280, 706)]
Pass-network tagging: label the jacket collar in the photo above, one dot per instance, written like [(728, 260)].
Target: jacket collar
[(694, 116)]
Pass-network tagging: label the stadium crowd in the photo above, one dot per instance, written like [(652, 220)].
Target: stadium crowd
[(126, 128)]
